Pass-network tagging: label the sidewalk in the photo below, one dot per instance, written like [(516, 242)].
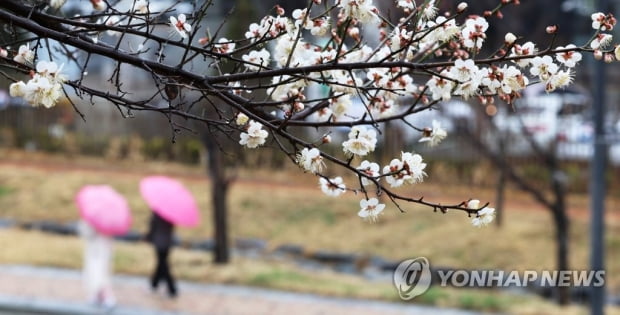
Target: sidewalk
[(44, 290)]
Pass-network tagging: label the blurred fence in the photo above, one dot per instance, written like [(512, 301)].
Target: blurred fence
[(538, 128)]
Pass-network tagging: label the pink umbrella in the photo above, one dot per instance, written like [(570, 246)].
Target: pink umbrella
[(170, 199), (104, 209)]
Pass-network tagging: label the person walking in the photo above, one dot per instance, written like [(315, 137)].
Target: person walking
[(96, 269), (160, 235)]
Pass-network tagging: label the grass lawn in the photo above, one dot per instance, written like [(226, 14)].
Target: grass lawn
[(284, 209)]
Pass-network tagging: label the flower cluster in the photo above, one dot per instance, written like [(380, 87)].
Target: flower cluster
[(408, 170), (44, 88), (333, 187), (310, 160), (484, 216), (370, 209), (361, 141), (433, 135), (24, 55), (254, 136), (257, 59)]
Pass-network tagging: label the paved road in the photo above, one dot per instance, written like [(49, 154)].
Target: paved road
[(43, 290)]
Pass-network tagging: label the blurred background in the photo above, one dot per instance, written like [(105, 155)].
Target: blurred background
[(531, 161)]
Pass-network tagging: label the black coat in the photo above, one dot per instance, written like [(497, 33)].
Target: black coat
[(160, 232)]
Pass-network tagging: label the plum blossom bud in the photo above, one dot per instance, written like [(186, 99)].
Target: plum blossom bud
[(241, 119), (617, 52), (279, 10), (298, 106), (354, 32), (316, 1), (98, 5), (473, 204), (203, 41), (510, 38), (551, 29), (487, 13), (609, 58), (3, 53), (327, 139), (598, 54), (461, 7), (17, 89)]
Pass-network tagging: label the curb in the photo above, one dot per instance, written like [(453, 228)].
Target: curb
[(27, 305)]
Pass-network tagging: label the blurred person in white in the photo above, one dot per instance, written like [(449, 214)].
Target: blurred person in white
[(97, 269)]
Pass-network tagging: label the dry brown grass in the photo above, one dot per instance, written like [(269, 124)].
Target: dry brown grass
[(64, 251)]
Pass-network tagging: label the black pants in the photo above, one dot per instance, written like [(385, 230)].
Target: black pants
[(162, 272)]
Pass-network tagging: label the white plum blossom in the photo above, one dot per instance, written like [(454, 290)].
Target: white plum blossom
[(435, 135), (473, 204), (320, 26), (440, 88), (141, 6), (241, 119), (180, 25), (310, 160), (543, 67), (255, 136), (56, 4), (559, 80), (429, 11), (362, 10), (224, 46), (44, 88), (369, 168), (408, 170), (333, 187), (483, 217), (414, 167), (317, 26), (361, 141), (269, 27), (463, 70), (394, 173), (526, 49), (600, 41), (24, 54), (597, 20), (603, 22), (446, 30), (513, 80), (510, 38), (406, 4), (474, 32), (568, 58), (338, 107), (370, 209), (256, 59)]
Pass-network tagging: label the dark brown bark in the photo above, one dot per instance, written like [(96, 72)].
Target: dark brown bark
[(219, 189), (557, 206)]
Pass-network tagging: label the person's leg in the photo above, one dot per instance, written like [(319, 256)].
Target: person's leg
[(159, 269), (172, 289)]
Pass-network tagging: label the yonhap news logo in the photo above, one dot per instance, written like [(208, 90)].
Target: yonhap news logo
[(413, 277)]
